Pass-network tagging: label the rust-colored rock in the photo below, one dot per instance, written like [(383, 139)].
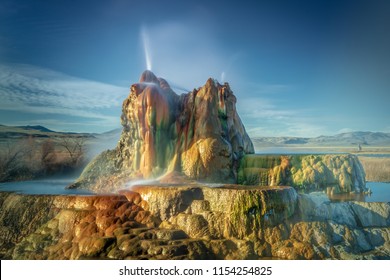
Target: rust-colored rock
[(272, 226)]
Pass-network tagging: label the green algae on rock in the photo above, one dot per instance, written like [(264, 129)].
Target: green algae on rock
[(198, 134), (338, 173), (263, 223)]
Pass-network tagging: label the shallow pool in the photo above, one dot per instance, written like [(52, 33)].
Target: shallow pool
[(380, 193), (48, 186)]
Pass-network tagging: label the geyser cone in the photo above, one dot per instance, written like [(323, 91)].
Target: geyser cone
[(148, 77), (198, 135)]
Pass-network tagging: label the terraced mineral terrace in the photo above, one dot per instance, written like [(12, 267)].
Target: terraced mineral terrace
[(192, 222)]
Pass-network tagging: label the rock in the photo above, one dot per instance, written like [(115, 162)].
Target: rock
[(338, 232), (318, 234), (93, 246), (197, 250), (294, 250), (20, 216), (171, 251), (273, 235), (199, 206), (373, 214), (343, 173), (232, 249), (170, 234), (377, 236), (198, 135), (362, 243), (68, 218), (317, 207), (251, 208), (165, 202), (207, 227), (194, 225), (132, 196), (228, 211), (222, 248)]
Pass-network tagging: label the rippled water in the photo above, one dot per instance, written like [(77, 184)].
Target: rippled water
[(48, 186), (380, 193)]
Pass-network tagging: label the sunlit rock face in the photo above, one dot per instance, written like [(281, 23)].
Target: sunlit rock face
[(146, 144), (198, 134), (183, 222)]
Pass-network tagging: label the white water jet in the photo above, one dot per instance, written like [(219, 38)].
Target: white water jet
[(146, 45), (223, 77)]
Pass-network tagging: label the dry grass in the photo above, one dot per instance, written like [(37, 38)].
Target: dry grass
[(377, 169), (30, 158)]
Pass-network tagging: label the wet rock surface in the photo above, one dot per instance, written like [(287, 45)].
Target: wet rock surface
[(198, 134), (192, 222), (338, 173)]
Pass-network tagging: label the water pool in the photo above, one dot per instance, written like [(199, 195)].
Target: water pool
[(380, 193), (47, 186)]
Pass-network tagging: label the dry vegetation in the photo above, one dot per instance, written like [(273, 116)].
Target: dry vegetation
[(28, 158), (377, 169)]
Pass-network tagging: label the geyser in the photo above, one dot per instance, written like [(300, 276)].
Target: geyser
[(197, 135), (146, 46)]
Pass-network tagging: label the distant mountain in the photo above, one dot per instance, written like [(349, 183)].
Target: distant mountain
[(364, 138), (343, 139), (114, 132), (35, 127), (95, 142), (355, 138), (36, 131)]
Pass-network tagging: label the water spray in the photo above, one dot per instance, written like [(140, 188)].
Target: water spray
[(223, 77), (146, 44), (138, 182)]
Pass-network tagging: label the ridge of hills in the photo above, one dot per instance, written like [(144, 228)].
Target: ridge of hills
[(364, 138)]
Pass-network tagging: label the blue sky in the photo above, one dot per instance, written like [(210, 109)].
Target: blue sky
[(298, 68)]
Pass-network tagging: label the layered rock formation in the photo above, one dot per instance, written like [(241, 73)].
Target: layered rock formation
[(339, 173), (198, 135), (154, 222)]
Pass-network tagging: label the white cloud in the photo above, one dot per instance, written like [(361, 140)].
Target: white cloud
[(31, 89), (262, 108), (295, 127), (303, 127), (263, 117)]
